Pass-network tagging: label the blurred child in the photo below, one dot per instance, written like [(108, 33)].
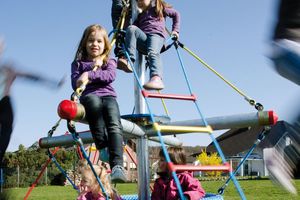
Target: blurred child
[(89, 186), (93, 65), (8, 75), (165, 186), (147, 35), (286, 59)]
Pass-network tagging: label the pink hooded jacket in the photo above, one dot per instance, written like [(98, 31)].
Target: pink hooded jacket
[(165, 188), (89, 196)]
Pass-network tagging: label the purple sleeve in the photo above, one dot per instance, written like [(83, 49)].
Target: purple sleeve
[(172, 13), (75, 73), (192, 187), (106, 74)]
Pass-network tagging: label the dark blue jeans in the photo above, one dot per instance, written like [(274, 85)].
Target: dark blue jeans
[(103, 116), (116, 10), (148, 44)]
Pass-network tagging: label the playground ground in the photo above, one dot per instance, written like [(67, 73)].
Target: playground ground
[(254, 189)]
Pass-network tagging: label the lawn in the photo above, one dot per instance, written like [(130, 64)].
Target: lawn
[(254, 189)]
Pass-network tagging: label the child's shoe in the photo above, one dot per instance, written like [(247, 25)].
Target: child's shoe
[(124, 65), (118, 174), (155, 83)]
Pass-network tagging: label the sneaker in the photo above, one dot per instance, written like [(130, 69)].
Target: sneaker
[(124, 65), (279, 170), (155, 83), (118, 174)]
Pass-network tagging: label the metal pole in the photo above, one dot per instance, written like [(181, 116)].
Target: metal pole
[(242, 120), (133, 131), (142, 142), (18, 178), (46, 176)]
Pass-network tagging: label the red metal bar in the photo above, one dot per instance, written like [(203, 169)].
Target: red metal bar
[(171, 167), (95, 155), (225, 167), (40, 174), (131, 156), (147, 94), (79, 153)]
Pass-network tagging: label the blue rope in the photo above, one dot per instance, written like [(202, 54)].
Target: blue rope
[(111, 32), (206, 197), (62, 170), (167, 157), (79, 142), (258, 140), (239, 189)]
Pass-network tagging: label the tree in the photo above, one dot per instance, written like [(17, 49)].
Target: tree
[(212, 159)]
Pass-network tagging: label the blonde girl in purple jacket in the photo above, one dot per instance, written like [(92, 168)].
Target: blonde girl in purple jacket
[(165, 187), (93, 65)]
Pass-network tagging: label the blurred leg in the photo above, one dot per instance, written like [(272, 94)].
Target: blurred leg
[(6, 125)]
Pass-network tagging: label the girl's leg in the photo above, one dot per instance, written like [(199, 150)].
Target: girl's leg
[(116, 9), (135, 39), (115, 139), (154, 45), (6, 125), (94, 111), (114, 131)]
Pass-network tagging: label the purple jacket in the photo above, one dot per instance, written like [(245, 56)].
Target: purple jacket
[(165, 189), (150, 23), (100, 80)]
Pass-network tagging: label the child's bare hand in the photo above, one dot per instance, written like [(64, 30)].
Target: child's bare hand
[(175, 34), (98, 63), (84, 78)]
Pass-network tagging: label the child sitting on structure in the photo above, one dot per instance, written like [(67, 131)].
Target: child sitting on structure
[(93, 65), (165, 187), (147, 35), (89, 186)]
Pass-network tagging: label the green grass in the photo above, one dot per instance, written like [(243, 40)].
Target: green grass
[(254, 189)]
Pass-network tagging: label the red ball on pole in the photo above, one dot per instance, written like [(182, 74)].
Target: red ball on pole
[(71, 110)]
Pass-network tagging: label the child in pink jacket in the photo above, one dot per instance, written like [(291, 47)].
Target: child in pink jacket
[(165, 186)]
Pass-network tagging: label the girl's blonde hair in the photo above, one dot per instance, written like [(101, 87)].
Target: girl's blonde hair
[(88, 176), (160, 5), (81, 53), (177, 155)]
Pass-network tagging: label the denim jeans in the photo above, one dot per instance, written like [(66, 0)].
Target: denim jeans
[(286, 58), (104, 120), (6, 125), (116, 10), (148, 44)]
